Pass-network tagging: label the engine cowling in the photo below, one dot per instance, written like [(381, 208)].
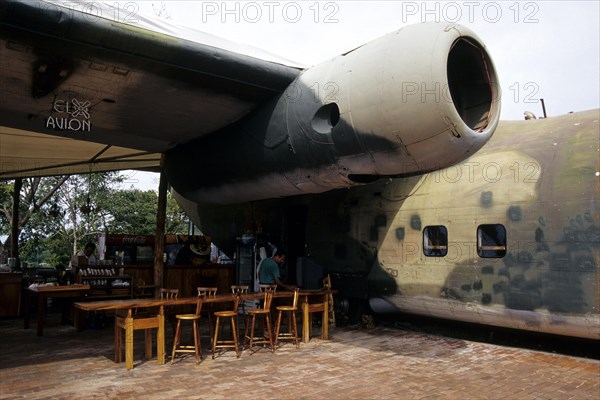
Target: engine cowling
[(419, 99)]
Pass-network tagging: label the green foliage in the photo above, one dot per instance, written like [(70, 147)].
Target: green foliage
[(177, 221), (5, 200), (132, 212), (75, 209)]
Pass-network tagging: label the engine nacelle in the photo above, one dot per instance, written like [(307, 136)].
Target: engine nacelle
[(422, 98)]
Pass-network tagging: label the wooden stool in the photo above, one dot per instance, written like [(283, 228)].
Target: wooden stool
[(265, 313), (227, 343), (197, 347), (292, 334)]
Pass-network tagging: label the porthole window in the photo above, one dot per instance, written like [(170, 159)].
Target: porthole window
[(491, 241), (435, 241)]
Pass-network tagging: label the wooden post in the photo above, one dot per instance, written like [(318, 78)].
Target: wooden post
[(159, 243), (14, 227)]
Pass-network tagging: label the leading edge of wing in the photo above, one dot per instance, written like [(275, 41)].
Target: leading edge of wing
[(68, 21)]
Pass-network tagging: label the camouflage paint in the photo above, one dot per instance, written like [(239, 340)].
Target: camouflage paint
[(539, 179)]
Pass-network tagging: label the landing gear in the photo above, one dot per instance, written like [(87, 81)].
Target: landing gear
[(354, 312)]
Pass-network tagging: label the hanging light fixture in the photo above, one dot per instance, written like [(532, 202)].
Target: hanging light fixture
[(87, 207), (55, 211)]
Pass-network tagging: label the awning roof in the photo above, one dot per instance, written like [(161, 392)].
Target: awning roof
[(46, 155)]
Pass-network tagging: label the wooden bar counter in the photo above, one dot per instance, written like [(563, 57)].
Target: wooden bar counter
[(183, 277)]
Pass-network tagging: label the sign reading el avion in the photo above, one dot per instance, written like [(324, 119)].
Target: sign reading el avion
[(71, 115)]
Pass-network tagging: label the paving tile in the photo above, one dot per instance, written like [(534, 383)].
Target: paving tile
[(380, 363)]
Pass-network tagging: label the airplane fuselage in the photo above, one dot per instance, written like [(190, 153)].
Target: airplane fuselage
[(509, 237)]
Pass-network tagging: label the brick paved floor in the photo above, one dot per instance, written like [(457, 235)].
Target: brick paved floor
[(381, 363)]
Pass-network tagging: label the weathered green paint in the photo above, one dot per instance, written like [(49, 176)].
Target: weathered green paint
[(538, 178)]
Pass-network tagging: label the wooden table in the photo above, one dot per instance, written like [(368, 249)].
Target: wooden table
[(44, 293), (130, 304)]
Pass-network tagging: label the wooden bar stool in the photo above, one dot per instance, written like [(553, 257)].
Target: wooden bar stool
[(265, 313), (292, 334), (232, 315), (197, 347), (266, 288)]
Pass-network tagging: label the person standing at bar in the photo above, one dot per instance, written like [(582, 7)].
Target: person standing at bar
[(83, 258), (269, 273)]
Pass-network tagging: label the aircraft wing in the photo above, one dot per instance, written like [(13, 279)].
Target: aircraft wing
[(79, 87)]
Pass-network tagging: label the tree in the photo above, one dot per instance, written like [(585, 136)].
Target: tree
[(35, 193), (60, 210), (133, 212), (60, 214)]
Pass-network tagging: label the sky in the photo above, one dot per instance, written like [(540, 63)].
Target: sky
[(541, 49)]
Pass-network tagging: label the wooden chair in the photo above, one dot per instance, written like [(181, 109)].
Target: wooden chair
[(326, 310), (265, 313), (265, 287), (141, 290), (239, 290), (292, 333), (331, 313), (169, 294), (207, 309), (197, 347), (144, 320), (232, 315), (139, 321), (308, 309)]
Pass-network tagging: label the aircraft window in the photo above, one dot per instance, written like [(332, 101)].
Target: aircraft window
[(491, 241), (435, 241)]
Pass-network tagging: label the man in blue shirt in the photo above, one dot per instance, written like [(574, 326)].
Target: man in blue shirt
[(269, 271)]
